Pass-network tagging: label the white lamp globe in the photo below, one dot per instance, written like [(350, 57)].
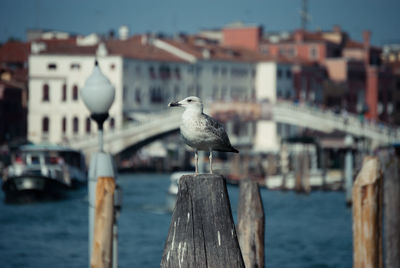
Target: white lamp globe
[(98, 93), (348, 141)]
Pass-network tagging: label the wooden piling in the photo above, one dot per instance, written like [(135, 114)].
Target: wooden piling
[(367, 215), (202, 232), (103, 225), (298, 172), (391, 201), (302, 173), (251, 222), (306, 173)]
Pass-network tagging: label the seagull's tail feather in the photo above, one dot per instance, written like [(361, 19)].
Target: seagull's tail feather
[(230, 150), (234, 151)]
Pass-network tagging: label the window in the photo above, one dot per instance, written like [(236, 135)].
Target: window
[(64, 92), (313, 52), (112, 123), (291, 52), (75, 125), (237, 126), (75, 92), (155, 95), (138, 95), (288, 73), (45, 93), (52, 66), (75, 66), (177, 73), (64, 125), (88, 125), (152, 73), (239, 72), (279, 73), (264, 50), (164, 72), (45, 125)]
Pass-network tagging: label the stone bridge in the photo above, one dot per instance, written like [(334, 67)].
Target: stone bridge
[(158, 125)]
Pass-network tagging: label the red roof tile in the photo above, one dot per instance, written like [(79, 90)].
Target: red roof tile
[(353, 44), (14, 51)]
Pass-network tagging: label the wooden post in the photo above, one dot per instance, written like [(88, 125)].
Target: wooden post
[(103, 225), (391, 200), (251, 224), (284, 162), (202, 232), (324, 166), (306, 173), (298, 172), (367, 215)]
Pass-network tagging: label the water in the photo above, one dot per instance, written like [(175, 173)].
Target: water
[(301, 231)]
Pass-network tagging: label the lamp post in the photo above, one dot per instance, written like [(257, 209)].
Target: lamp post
[(98, 95), (348, 168)]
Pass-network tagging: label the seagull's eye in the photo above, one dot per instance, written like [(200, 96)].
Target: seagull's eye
[(189, 100)]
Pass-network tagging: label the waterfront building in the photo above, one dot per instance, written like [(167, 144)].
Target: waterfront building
[(149, 71)]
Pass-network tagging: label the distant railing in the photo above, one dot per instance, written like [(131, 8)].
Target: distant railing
[(311, 117)]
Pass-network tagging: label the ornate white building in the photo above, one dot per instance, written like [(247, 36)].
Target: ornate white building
[(147, 73)]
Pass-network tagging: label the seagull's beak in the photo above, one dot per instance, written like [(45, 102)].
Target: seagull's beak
[(174, 104)]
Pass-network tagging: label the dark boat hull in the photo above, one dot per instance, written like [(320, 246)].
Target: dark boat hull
[(33, 188)]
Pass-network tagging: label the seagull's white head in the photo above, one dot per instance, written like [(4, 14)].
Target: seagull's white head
[(192, 103)]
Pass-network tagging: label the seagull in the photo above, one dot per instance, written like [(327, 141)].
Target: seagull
[(200, 131)]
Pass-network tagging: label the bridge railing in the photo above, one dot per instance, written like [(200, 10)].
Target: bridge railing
[(344, 121), (153, 120)]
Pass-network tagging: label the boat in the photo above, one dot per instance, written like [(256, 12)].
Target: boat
[(173, 188), (41, 172)]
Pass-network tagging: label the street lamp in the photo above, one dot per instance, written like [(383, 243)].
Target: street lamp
[(348, 167), (98, 95)]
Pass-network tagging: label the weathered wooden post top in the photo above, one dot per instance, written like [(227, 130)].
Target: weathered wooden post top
[(202, 232)]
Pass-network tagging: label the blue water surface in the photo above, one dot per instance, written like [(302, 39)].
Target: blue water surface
[(301, 230)]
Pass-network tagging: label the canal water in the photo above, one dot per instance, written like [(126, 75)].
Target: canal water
[(301, 231)]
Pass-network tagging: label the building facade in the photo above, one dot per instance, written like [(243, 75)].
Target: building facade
[(148, 72)]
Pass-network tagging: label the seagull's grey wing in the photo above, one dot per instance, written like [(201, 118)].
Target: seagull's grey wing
[(216, 128)]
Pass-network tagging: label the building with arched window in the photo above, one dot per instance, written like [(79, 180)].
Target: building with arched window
[(148, 72)]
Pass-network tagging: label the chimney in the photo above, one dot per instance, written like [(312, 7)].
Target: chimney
[(299, 36), (248, 37), (123, 32), (367, 44), (372, 88), (336, 29)]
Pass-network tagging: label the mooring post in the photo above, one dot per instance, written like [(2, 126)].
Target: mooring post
[(306, 173), (367, 216), (298, 172), (391, 201), (103, 227), (284, 163), (202, 232), (251, 222)]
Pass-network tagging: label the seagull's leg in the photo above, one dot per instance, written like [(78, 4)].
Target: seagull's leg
[(196, 159), (211, 157)]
